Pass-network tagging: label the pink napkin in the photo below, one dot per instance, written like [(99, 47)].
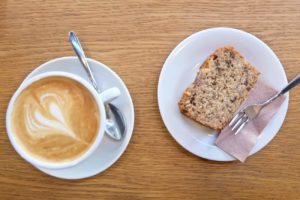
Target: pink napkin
[(240, 145)]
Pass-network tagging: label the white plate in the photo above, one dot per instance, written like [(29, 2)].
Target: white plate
[(109, 150), (180, 70)]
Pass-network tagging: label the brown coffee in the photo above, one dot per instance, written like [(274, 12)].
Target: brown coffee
[(55, 119)]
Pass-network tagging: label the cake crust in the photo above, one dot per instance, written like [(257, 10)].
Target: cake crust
[(222, 83)]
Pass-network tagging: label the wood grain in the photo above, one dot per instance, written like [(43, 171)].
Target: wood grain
[(134, 38)]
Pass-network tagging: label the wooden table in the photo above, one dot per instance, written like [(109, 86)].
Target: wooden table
[(134, 38)]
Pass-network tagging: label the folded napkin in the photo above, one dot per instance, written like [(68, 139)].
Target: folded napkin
[(241, 144)]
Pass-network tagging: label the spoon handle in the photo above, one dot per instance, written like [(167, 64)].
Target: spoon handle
[(80, 53)]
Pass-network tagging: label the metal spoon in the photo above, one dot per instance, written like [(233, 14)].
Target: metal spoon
[(115, 125)]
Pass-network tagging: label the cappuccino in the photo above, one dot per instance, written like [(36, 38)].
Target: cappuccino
[(55, 119)]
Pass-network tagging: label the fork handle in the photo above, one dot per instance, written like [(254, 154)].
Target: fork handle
[(291, 84)]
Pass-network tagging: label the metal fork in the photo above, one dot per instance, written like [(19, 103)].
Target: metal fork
[(239, 121)]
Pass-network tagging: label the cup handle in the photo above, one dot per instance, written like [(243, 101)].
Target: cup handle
[(110, 94)]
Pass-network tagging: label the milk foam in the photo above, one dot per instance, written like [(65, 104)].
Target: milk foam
[(55, 119), (39, 126)]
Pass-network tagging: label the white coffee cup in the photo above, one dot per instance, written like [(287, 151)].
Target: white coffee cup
[(100, 99)]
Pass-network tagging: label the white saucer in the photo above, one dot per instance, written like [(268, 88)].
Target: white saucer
[(180, 70), (109, 151)]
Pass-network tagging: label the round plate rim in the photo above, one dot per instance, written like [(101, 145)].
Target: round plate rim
[(122, 151), (177, 48)]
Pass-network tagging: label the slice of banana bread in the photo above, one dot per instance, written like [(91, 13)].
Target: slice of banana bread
[(222, 84)]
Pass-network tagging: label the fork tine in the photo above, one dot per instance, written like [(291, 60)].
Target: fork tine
[(239, 122), (242, 126), (235, 118)]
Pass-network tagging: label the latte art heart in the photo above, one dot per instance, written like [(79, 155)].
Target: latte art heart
[(55, 119), (40, 126)]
